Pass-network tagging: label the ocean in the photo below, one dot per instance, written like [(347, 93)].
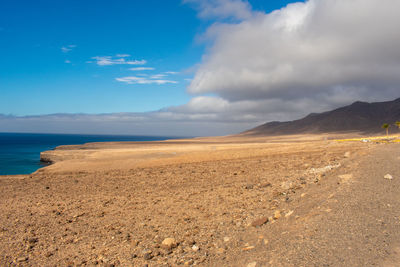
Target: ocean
[(20, 152)]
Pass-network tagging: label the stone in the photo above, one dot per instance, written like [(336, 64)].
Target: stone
[(220, 250), (147, 256), (22, 259), (259, 222), (249, 186), (226, 239), (189, 262), (290, 212), (347, 154), (195, 248), (248, 248), (286, 185), (345, 177), (388, 176), (169, 243), (252, 264), (277, 215)]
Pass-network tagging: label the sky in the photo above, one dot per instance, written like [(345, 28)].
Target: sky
[(190, 67)]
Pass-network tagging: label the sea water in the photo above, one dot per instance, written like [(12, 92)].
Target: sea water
[(20, 152)]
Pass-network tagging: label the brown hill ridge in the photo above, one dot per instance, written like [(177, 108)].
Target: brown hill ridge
[(357, 117)]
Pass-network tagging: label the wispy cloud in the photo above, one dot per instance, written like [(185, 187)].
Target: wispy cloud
[(144, 80), (122, 55), (158, 76), (171, 72), (117, 60), (141, 68), (68, 48), (221, 9), (67, 61)]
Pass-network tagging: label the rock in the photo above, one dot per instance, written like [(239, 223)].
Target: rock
[(347, 154), (388, 176), (147, 256), (220, 250), (22, 259), (249, 186), (286, 185), (226, 239), (169, 243), (248, 248), (277, 215), (33, 240), (344, 178), (290, 212), (195, 248), (189, 262), (252, 264), (259, 222)]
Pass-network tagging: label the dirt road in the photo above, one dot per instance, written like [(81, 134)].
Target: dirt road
[(350, 218)]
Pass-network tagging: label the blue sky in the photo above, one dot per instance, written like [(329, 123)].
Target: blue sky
[(45, 47)]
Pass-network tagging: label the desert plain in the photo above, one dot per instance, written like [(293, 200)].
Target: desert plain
[(305, 200)]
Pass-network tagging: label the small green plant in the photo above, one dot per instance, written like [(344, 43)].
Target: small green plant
[(386, 126)]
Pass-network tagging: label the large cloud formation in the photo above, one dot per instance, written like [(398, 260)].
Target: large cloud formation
[(310, 56)]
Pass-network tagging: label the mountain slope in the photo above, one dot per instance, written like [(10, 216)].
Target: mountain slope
[(359, 116)]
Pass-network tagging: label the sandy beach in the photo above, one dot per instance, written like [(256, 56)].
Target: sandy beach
[(225, 201)]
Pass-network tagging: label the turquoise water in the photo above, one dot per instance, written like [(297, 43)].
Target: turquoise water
[(20, 152)]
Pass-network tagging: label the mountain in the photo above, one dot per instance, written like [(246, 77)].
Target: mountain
[(357, 117)]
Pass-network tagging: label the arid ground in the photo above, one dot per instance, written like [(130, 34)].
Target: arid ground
[(229, 201)]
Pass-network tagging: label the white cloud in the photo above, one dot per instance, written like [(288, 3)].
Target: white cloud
[(221, 9), (142, 68), (158, 76), (117, 60), (171, 72), (67, 61), (309, 56), (122, 55), (143, 80), (68, 48)]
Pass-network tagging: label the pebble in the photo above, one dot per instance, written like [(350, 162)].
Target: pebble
[(388, 176), (252, 264), (147, 256), (169, 243), (248, 248), (347, 154), (289, 213), (277, 215), (259, 222), (286, 185), (189, 262), (195, 248), (249, 186), (21, 259), (220, 250), (226, 239)]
